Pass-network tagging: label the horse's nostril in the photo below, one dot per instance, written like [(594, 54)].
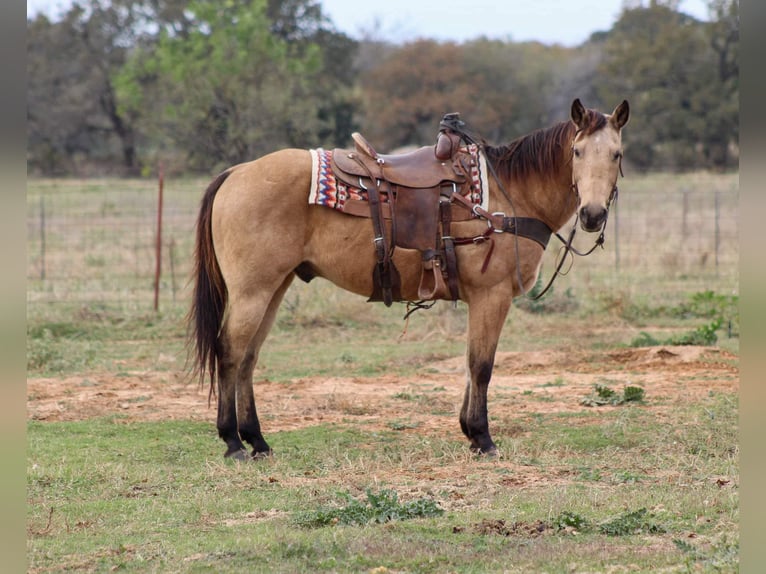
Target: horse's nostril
[(592, 216), (587, 214)]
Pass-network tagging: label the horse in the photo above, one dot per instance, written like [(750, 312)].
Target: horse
[(256, 232)]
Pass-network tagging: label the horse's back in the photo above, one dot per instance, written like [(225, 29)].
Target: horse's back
[(276, 175), (274, 185)]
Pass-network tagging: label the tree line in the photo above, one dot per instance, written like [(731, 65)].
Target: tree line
[(122, 86)]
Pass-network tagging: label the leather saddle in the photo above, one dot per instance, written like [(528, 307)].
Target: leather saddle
[(419, 169), (413, 192)]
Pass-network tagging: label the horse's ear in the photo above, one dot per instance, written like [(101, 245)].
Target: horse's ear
[(578, 113), (621, 115)]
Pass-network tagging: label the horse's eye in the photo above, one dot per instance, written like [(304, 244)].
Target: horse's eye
[(576, 152), (617, 155)]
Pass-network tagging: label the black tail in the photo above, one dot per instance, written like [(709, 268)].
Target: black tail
[(209, 299)]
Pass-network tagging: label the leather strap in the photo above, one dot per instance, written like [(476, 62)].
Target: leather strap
[(361, 208), (445, 210), (383, 267), (363, 145), (528, 227)]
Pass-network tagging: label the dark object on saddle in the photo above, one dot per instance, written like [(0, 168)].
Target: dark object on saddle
[(449, 138)]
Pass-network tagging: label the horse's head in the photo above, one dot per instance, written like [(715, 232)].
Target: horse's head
[(596, 161)]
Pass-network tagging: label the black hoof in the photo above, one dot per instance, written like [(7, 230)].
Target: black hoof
[(491, 452), (259, 455), (488, 451), (237, 454)]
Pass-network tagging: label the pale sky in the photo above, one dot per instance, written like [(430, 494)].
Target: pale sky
[(567, 22)]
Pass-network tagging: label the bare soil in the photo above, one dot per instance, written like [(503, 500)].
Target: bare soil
[(426, 402)]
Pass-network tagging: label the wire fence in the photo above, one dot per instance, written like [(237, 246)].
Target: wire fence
[(93, 242)]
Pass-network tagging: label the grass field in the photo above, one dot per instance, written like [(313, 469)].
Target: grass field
[(370, 473)]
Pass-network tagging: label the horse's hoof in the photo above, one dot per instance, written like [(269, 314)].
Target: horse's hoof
[(490, 452), (260, 455), (239, 454)]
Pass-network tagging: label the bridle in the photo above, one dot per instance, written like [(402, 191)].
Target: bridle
[(600, 240), (568, 249)]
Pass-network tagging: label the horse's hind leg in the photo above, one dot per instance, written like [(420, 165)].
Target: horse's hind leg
[(236, 356), (247, 416), (248, 320)]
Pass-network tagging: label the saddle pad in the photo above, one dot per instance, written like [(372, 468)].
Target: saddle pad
[(329, 191)]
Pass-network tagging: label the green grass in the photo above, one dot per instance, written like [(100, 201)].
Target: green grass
[(380, 507), (604, 395), (109, 494)]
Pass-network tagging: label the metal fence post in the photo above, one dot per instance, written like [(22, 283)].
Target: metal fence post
[(616, 237), (158, 249), (717, 203), (42, 237)]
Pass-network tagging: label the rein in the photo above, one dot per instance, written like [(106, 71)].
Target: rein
[(570, 249)]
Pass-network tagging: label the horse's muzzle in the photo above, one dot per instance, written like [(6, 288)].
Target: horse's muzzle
[(592, 217)]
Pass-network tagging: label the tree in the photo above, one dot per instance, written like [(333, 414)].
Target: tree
[(578, 78), (520, 83), (664, 63), (407, 94), (72, 108), (56, 117), (302, 24), (116, 85), (502, 90), (237, 83), (723, 131)]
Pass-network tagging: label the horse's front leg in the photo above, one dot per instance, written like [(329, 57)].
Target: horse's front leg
[(487, 311)]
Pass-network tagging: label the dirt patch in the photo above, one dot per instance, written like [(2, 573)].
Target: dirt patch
[(427, 402)]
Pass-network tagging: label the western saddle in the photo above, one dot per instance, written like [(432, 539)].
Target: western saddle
[(416, 193)]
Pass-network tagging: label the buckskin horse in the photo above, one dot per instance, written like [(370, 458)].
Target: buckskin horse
[(256, 231)]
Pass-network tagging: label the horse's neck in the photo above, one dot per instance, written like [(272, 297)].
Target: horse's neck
[(547, 197), (537, 173), (562, 198)]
